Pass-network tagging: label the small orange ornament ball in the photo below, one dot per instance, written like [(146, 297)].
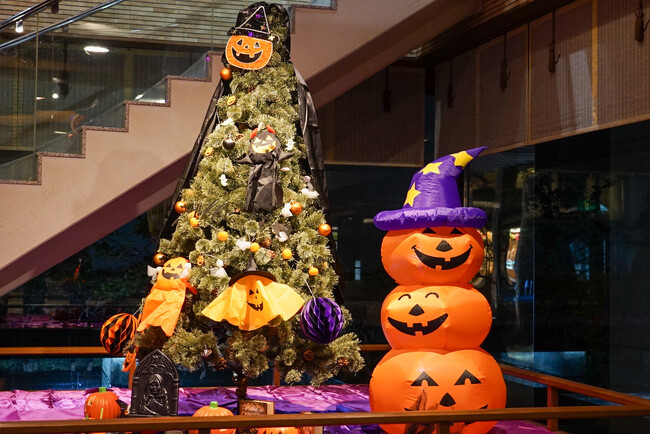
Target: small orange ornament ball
[(200, 260), (313, 271), (255, 247), (287, 254), (222, 236), (296, 208), (180, 207), (225, 73), (159, 259), (194, 221), (324, 230)]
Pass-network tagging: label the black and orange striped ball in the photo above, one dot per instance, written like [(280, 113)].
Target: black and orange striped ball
[(116, 332)]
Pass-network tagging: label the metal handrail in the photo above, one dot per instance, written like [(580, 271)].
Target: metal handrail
[(60, 24), (27, 13), (442, 418)]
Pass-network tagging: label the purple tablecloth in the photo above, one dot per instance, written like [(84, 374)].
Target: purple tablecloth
[(64, 405)]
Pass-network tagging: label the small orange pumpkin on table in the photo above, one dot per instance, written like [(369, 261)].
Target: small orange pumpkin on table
[(213, 410), (280, 429), (102, 404)]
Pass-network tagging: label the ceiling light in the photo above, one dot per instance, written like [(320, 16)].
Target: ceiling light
[(40, 98), (95, 49), (55, 95), (19, 26)]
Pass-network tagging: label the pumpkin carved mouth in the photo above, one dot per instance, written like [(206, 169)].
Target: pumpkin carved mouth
[(246, 58), (434, 262), (170, 275), (425, 329), (256, 307)]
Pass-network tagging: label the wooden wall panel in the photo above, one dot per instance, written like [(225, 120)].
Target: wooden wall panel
[(623, 63), (457, 126), (602, 79), (502, 112), (561, 102), (355, 129)]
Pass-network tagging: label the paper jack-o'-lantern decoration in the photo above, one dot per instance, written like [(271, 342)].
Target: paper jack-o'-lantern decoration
[(435, 317), (253, 300), (163, 305), (250, 46), (429, 380)]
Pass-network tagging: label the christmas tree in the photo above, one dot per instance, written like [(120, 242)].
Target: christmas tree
[(252, 220)]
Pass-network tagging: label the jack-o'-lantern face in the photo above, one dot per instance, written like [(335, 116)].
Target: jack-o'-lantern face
[(254, 299), (173, 270), (247, 52), (436, 317), (264, 142), (432, 256), (428, 380)]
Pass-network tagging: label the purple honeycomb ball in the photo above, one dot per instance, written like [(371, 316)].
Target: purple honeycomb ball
[(321, 320)]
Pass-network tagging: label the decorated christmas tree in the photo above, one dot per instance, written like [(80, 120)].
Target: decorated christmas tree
[(247, 277)]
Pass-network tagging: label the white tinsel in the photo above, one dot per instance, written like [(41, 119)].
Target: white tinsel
[(153, 271), (311, 194), (243, 244), (219, 271), (290, 144), (286, 210), (282, 236), (224, 180)]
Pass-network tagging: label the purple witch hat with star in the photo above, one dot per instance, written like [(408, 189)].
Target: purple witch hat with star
[(433, 199)]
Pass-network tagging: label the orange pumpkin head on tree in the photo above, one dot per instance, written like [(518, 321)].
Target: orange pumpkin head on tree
[(250, 46), (432, 239), (435, 317)]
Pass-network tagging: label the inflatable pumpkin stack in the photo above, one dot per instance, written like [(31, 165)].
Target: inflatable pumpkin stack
[(434, 320)]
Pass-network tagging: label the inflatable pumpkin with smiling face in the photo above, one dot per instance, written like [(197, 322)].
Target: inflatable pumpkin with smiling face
[(433, 255), (435, 317), (432, 239), (427, 380)]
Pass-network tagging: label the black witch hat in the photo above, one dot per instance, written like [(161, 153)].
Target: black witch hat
[(253, 21)]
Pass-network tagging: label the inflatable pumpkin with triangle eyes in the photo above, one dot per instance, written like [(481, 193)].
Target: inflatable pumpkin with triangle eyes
[(433, 255), (426, 380), (435, 317)]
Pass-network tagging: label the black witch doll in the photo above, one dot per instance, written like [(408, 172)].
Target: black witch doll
[(264, 190)]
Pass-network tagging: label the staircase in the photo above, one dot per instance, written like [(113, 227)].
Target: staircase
[(123, 172)]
